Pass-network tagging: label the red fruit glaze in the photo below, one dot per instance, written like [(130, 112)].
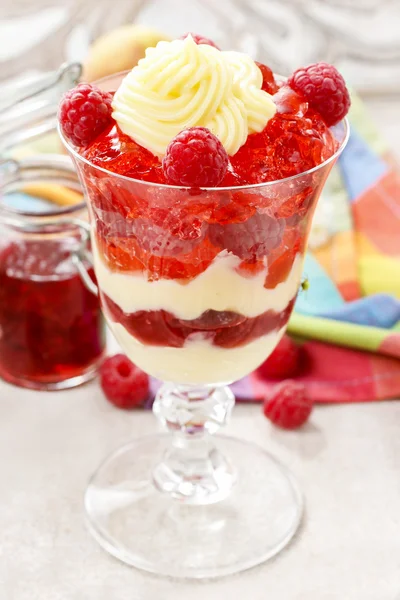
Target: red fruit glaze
[(288, 406), (269, 84), (296, 206), (226, 329), (117, 152), (229, 208), (279, 267), (293, 141), (289, 102), (126, 254), (199, 39), (325, 89), (284, 362), (51, 325), (84, 112), (250, 240), (123, 383), (195, 158)]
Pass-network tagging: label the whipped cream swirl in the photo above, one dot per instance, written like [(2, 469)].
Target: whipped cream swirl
[(180, 84)]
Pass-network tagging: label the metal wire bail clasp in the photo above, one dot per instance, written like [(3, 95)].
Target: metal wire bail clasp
[(83, 255), (14, 174)]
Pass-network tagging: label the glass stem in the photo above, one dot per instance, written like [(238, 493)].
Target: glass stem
[(193, 470)]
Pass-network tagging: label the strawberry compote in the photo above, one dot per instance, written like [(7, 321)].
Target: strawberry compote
[(198, 283), (51, 325)]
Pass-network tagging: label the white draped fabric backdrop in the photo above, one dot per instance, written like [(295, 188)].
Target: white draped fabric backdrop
[(361, 36)]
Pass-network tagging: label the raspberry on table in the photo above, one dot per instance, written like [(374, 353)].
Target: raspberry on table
[(288, 406), (199, 39), (123, 383), (324, 88), (251, 240), (195, 158), (284, 362), (84, 113)]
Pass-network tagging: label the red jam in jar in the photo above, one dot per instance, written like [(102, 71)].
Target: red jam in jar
[(51, 328)]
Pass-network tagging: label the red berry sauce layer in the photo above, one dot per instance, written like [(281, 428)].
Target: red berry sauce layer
[(221, 328), (51, 325)]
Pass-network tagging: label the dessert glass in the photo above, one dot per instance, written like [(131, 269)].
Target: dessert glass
[(197, 286)]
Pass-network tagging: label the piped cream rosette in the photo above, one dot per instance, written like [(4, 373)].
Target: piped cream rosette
[(180, 84)]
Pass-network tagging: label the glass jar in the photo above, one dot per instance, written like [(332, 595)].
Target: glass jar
[(51, 327)]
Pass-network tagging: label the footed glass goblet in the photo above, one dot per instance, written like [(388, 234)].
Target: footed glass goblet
[(197, 286)]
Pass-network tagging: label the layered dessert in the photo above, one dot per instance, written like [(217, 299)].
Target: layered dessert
[(202, 170)]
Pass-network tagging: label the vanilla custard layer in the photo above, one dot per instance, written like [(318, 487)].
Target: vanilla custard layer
[(198, 361)]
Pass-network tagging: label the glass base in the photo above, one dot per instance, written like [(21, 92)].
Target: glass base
[(148, 529)]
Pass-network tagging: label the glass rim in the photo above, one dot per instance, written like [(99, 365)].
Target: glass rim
[(167, 186)]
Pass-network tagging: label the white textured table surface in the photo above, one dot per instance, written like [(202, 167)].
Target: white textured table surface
[(347, 462)]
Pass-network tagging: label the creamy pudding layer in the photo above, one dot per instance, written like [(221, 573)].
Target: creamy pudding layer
[(198, 362), (219, 288)]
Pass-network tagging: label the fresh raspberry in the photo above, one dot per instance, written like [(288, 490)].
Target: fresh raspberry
[(84, 112), (195, 158), (325, 89), (251, 240), (284, 362), (123, 383), (199, 39), (288, 406), (269, 84)]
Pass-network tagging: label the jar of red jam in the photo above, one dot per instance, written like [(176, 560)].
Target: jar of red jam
[(51, 327)]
